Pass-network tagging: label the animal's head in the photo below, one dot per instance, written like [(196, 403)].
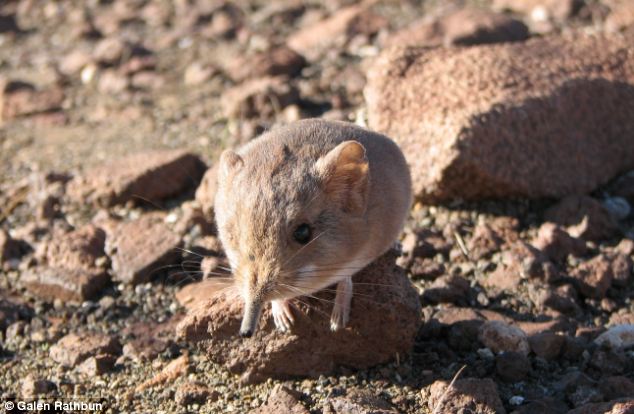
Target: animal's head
[(287, 219)]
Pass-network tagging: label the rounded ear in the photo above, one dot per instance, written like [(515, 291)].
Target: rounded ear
[(229, 162), (346, 175)]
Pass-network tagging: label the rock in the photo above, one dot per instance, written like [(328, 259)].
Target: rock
[(617, 337), (97, 365), (383, 322), (342, 26), (194, 393), (73, 266), (617, 207), (474, 395), (206, 192), (110, 50), (140, 248), (484, 242), (541, 9), (176, 368), (193, 295), (584, 217), (448, 289), (74, 348), (19, 99), (11, 311), (610, 362), (501, 337), (147, 340), (32, 386), (282, 400), (512, 366), (279, 61), (621, 16), (622, 406), (426, 269), (260, 97), (197, 74), (626, 247), (505, 120), (149, 176), (593, 278), (112, 82), (616, 387), (9, 247), (561, 299), (557, 244), (361, 402), (74, 62), (547, 345), (544, 405), (8, 23), (621, 270), (462, 26)]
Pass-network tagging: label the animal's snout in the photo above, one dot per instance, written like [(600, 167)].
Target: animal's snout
[(246, 333), (250, 318)]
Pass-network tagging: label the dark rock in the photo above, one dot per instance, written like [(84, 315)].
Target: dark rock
[(475, 395), (622, 406), (610, 362), (512, 366), (139, 249), (546, 345), (9, 248), (507, 120), (73, 348), (11, 311), (150, 176), (621, 270), (544, 405), (616, 387), (379, 327)]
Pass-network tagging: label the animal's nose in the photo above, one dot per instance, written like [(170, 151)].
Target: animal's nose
[(246, 333)]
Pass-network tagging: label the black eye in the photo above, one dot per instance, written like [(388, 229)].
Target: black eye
[(302, 233)]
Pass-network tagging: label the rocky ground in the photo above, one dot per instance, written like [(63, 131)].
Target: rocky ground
[(113, 113)]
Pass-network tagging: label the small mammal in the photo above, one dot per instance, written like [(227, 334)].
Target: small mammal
[(306, 206)]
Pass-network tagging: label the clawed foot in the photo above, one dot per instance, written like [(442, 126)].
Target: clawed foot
[(282, 314), (341, 311)]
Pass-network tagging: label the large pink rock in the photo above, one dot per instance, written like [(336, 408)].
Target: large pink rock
[(384, 321), (545, 118)]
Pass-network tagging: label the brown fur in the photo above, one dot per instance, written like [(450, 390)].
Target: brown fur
[(355, 195)]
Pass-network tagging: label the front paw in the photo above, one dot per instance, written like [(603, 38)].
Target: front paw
[(282, 315), (338, 318)]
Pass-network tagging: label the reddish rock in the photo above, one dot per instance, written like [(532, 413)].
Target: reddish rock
[(383, 322), (448, 289), (556, 243), (501, 337), (147, 176), (195, 393), (193, 295), (97, 365), (343, 25), (206, 191), (508, 120), (426, 269), (541, 9), (462, 26), (547, 345), (621, 15), (170, 372), (9, 248), (147, 340), (110, 50), (474, 395), (361, 402), (72, 266), (621, 270), (622, 406), (484, 242), (279, 61), (282, 400), (19, 99), (593, 278), (73, 348), (261, 97), (560, 324), (584, 217), (139, 249), (561, 299)]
